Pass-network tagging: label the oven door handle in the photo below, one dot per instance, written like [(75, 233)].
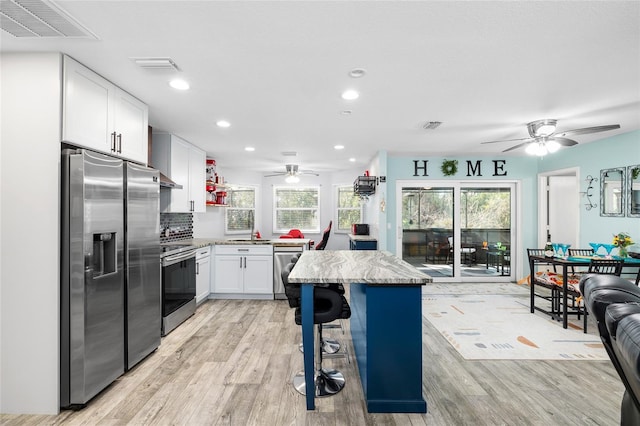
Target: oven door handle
[(179, 257)]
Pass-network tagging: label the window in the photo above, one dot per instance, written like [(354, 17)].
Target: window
[(349, 209), (296, 208), (241, 213)]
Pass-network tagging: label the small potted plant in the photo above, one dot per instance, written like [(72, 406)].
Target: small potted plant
[(622, 240)]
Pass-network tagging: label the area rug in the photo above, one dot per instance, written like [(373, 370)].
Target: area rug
[(501, 327)]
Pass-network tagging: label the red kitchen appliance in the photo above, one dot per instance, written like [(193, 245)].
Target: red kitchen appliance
[(221, 197)]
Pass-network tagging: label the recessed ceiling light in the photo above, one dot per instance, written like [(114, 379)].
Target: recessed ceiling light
[(353, 160), (350, 95), (179, 84), (223, 123), (338, 147), (249, 148), (357, 73)]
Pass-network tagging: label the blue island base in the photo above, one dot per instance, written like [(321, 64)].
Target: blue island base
[(386, 329)]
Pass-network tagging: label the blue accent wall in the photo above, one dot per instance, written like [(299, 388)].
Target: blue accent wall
[(617, 151)]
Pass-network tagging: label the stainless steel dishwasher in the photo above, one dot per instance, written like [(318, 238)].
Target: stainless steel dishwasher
[(281, 257)]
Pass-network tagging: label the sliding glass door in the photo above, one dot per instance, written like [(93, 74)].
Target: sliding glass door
[(458, 231)]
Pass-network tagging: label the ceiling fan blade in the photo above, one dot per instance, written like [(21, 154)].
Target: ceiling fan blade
[(276, 174), (517, 146), (586, 130), (564, 141), (511, 140)]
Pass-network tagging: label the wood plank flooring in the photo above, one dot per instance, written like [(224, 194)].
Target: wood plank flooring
[(232, 364)]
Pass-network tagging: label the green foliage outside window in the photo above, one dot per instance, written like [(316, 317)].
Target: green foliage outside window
[(433, 208), (241, 211), (296, 208), (349, 208)]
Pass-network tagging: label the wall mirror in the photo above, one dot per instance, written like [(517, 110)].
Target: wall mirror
[(612, 191), (633, 191)]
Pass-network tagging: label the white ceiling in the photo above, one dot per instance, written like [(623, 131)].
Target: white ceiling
[(276, 70)]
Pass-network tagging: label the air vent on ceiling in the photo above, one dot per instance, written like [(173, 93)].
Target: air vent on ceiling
[(289, 154), (156, 63), (39, 18), (431, 125)]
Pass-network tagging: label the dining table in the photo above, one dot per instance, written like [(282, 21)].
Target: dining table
[(385, 297), (564, 263)]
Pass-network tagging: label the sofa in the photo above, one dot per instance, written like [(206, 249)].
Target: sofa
[(614, 302)]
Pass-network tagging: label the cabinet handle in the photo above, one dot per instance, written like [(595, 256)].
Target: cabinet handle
[(193, 205), (240, 263), (245, 263), (119, 143), (197, 269), (113, 142)]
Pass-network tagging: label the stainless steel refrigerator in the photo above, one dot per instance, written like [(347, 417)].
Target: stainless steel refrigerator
[(110, 273)]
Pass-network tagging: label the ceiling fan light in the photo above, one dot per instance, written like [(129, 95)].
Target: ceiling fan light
[(545, 130), (542, 128), (536, 148), (552, 146), (292, 179)]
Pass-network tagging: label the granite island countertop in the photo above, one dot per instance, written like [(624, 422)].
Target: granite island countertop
[(355, 266)]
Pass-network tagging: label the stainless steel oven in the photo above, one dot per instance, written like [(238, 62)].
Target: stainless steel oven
[(178, 285)]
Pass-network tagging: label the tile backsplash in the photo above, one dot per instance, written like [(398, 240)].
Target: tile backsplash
[(175, 227)]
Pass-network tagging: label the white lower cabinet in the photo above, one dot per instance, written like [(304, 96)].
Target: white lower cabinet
[(203, 273), (243, 271)]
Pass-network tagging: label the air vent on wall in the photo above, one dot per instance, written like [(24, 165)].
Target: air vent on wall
[(39, 18), (431, 125)]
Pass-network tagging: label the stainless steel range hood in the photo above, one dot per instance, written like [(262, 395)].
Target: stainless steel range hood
[(165, 182)]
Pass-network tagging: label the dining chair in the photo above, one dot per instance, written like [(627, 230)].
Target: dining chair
[(605, 266), (600, 267), (553, 298), (580, 252)]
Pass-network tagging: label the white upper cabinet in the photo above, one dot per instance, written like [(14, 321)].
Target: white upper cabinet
[(184, 164), (131, 127), (99, 115), (197, 179)]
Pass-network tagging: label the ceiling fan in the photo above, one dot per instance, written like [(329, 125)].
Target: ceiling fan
[(292, 173), (543, 137)]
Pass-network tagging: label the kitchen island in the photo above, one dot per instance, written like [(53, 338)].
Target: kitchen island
[(386, 323)]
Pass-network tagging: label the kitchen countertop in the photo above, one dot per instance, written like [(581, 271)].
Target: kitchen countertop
[(354, 237), (279, 242), (371, 267)]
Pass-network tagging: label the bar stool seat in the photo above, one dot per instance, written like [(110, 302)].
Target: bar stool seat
[(329, 305)]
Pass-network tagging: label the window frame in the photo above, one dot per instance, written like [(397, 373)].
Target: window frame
[(275, 210), (229, 208), (337, 229)]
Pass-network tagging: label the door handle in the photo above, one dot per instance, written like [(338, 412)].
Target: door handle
[(113, 142), (119, 143)]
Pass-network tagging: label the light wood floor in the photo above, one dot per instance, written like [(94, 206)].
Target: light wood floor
[(232, 363)]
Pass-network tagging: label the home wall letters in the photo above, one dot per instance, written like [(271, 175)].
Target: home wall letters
[(420, 168)]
